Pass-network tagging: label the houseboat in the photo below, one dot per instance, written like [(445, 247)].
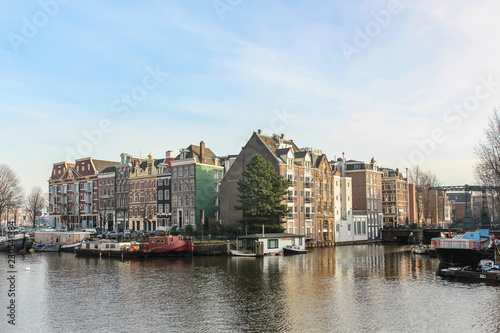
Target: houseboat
[(164, 246), (466, 249), (67, 241), (19, 242), (108, 248), (267, 244)]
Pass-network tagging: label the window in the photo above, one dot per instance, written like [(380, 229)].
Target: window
[(180, 172), (191, 170), (167, 209), (272, 243), (216, 174), (167, 194), (160, 195), (174, 175)]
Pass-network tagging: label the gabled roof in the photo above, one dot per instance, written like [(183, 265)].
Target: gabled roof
[(109, 169), (301, 154), (273, 142), (194, 151), (101, 165)]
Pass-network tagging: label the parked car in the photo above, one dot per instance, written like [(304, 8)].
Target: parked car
[(153, 233), (127, 233)]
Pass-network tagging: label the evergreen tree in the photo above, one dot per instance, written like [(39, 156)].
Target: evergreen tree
[(262, 192)]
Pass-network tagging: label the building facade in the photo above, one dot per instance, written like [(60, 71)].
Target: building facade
[(164, 188), (107, 199), (195, 197), (394, 198), (73, 193), (313, 204), (367, 194), (123, 171), (143, 204)]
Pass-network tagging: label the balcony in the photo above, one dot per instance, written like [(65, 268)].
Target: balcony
[(292, 182), (308, 199), (290, 199), (307, 184)]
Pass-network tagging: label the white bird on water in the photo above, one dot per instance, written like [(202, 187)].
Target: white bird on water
[(28, 268)]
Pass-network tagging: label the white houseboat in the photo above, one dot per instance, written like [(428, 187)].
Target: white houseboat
[(67, 240), (267, 244)]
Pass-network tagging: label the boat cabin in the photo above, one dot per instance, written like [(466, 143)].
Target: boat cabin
[(163, 240), (106, 245), (60, 238), (269, 244), (479, 239)]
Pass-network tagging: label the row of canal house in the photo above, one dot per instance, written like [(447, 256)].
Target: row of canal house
[(328, 201), (137, 193)]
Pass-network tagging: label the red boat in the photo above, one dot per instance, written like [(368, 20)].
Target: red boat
[(162, 246)]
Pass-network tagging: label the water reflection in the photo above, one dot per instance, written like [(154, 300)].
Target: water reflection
[(362, 288)]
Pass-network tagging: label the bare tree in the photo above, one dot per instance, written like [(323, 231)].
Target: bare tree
[(488, 153), (34, 204), (11, 195), (426, 200)]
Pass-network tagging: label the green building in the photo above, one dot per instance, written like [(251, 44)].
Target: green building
[(196, 176)]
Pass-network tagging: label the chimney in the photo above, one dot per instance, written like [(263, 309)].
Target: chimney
[(259, 131), (169, 154), (202, 152)]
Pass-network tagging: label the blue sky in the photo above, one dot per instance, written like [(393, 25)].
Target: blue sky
[(404, 82)]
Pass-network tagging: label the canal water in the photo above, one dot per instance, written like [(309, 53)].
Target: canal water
[(359, 288)]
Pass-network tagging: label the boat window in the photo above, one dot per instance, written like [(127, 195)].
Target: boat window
[(112, 246), (163, 241), (95, 246), (107, 246), (272, 243)]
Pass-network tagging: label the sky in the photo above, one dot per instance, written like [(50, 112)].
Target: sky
[(405, 82)]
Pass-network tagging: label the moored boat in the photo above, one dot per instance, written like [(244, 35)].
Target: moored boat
[(70, 247), (292, 250), (106, 248), (486, 271), (243, 253), (47, 248), (19, 242), (163, 246), (420, 249), (466, 249)]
